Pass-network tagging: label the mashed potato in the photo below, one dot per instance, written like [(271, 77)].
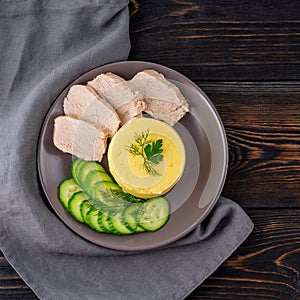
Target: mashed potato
[(146, 157)]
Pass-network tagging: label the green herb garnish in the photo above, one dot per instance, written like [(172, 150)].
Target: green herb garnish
[(125, 196), (150, 150)]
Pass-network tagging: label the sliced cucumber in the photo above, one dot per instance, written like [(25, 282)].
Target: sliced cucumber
[(101, 194), (119, 225), (84, 209), (67, 189), (85, 169), (132, 215), (92, 197), (74, 205), (105, 223), (92, 219), (76, 164), (155, 214), (95, 176)]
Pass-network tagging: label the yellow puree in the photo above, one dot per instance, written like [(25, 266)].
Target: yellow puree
[(128, 170)]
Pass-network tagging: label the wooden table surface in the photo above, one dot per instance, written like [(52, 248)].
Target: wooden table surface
[(245, 55)]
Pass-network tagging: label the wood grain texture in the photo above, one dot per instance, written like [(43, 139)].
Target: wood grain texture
[(11, 285), (220, 40), (266, 266), (262, 123)]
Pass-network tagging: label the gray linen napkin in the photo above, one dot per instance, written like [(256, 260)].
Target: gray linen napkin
[(44, 45)]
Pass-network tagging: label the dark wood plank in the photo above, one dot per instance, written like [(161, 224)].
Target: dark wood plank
[(262, 123), (11, 285), (219, 40), (266, 266)]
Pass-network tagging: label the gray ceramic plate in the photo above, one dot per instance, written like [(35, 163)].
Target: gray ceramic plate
[(194, 195)]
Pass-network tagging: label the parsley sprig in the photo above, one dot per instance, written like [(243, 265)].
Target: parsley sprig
[(150, 150)]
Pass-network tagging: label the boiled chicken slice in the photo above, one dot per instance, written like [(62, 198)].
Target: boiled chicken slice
[(83, 103), (125, 99), (164, 101), (79, 138)]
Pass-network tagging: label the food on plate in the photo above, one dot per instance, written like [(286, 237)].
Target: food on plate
[(96, 118), (146, 157), (164, 100), (92, 197), (79, 138), (126, 100), (83, 103), (67, 188)]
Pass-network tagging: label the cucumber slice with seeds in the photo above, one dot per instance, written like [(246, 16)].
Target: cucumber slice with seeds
[(67, 189), (132, 215), (76, 164), (155, 214), (95, 176), (104, 221), (84, 209), (103, 227), (74, 205), (102, 195), (85, 169), (92, 219), (118, 223)]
